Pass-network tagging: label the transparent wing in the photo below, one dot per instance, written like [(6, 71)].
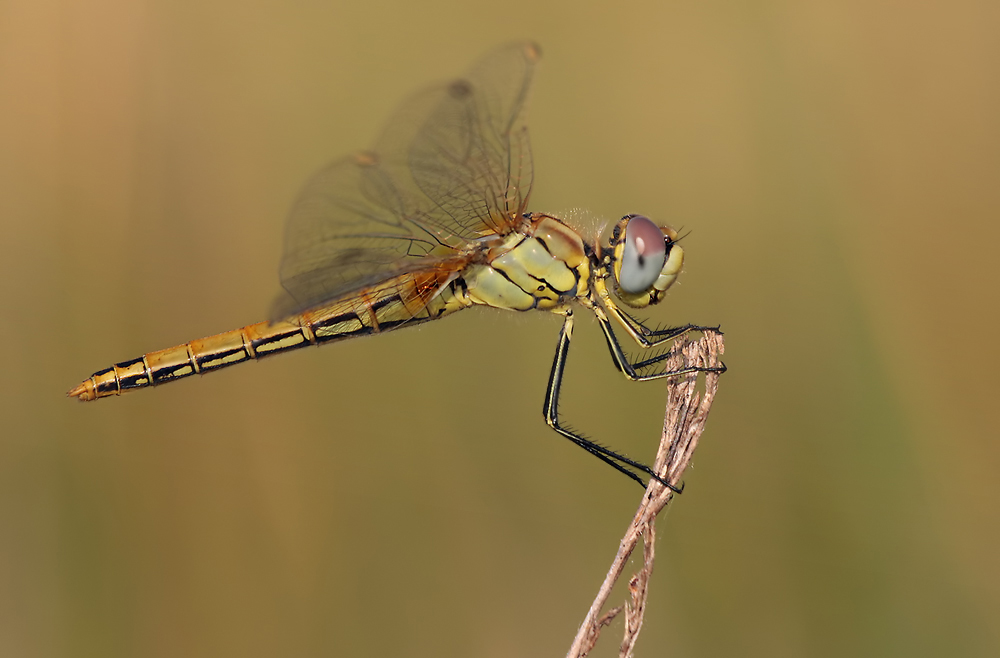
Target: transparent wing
[(471, 157), (452, 166)]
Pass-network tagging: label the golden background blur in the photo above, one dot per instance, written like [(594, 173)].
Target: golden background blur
[(838, 166)]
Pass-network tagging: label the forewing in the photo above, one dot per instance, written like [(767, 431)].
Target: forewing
[(467, 143), (452, 166)]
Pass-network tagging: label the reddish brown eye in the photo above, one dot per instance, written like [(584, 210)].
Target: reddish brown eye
[(643, 256)]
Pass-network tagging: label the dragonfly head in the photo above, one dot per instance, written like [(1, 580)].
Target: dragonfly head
[(647, 260)]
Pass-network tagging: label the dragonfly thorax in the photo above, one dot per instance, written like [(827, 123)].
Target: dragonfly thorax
[(543, 267)]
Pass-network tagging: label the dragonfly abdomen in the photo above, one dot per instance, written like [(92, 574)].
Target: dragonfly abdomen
[(195, 357), (403, 300)]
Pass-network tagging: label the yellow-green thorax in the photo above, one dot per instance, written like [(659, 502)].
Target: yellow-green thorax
[(543, 267)]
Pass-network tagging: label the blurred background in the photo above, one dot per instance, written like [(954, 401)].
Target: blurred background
[(837, 166)]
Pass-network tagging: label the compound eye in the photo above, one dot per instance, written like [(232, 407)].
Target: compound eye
[(644, 254)]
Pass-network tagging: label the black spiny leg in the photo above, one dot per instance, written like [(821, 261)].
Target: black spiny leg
[(647, 337), (551, 410), (639, 332), (630, 369)]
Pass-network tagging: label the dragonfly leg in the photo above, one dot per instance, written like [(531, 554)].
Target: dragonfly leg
[(551, 411), (631, 369), (639, 332)]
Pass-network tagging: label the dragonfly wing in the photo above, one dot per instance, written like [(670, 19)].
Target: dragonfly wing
[(452, 166), (350, 228), (464, 146)]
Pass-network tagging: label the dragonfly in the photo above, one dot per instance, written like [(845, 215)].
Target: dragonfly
[(433, 220)]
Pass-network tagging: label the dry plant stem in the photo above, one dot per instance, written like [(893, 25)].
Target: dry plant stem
[(685, 419)]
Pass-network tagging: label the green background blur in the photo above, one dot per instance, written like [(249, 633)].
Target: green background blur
[(838, 166)]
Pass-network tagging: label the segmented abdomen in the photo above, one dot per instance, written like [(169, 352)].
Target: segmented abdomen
[(406, 299)]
